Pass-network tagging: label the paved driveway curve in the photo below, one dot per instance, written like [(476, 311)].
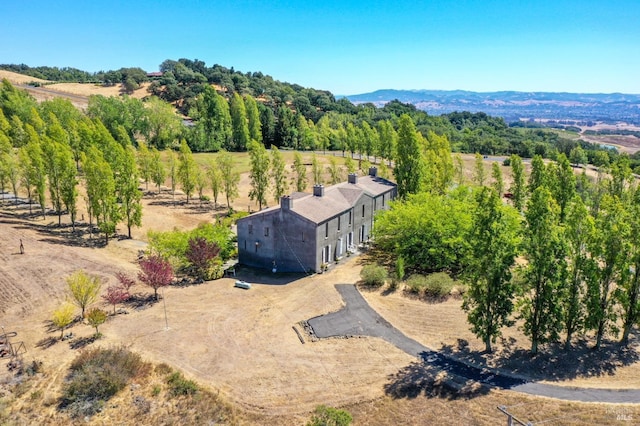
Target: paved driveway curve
[(357, 318)]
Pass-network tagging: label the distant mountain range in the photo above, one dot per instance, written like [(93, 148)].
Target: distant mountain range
[(514, 106)]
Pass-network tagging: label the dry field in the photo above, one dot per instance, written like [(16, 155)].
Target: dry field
[(77, 93)]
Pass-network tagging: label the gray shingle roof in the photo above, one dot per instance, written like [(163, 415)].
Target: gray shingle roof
[(338, 198)]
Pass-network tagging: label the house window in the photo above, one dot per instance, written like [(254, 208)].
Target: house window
[(363, 210), (303, 237), (326, 230), (245, 244), (350, 216), (382, 200), (266, 231), (375, 204), (250, 228), (339, 220)]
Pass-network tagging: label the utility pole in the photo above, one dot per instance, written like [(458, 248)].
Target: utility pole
[(511, 419)]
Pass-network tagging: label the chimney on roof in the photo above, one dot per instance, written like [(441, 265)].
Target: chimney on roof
[(318, 190), (373, 171), (353, 178), (286, 202)]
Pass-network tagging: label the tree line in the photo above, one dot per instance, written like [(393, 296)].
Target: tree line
[(577, 236), (291, 116)]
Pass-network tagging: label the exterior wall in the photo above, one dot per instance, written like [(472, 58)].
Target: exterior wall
[(289, 241), (332, 239)]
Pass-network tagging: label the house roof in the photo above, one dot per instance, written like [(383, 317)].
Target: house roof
[(336, 199)]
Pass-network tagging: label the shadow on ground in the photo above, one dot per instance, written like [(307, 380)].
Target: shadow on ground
[(421, 378), (554, 362)]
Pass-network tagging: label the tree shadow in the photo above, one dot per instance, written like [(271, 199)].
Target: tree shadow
[(421, 378), (47, 342), (553, 362), (82, 342), (140, 301)]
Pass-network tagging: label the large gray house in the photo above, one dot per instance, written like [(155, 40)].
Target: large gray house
[(308, 231)]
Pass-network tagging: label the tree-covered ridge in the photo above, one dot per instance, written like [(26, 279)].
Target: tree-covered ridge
[(290, 116)]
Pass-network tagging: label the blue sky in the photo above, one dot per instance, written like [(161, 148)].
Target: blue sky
[(347, 47)]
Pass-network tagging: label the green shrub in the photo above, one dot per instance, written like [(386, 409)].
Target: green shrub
[(416, 283), (173, 245), (373, 275), (437, 285), (178, 385), (97, 375), (155, 391), (329, 416)]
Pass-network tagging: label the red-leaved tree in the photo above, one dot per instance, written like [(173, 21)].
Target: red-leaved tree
[(115, 295), (201, 254), (156, 272), (126, 282)]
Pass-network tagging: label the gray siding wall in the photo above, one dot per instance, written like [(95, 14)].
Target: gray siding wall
[(289, 241)]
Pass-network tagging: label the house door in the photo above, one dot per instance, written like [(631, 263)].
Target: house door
[(362, 234)]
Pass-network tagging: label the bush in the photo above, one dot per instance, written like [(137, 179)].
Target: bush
[(178, 385), (97, 375), (507, 162), (329, 416), (373, 275), (436, 286), (173, 245)]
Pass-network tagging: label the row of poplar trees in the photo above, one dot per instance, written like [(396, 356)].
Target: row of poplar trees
[(581, 241), (47, 149), (578, 238)]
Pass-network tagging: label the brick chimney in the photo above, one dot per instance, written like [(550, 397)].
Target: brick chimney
[(318, 190), (373, 171), (286, 202), (353, 178)]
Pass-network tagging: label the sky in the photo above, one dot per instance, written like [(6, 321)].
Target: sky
[(347, 47)]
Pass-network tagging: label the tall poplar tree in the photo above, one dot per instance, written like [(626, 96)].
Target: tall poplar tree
[(278, 173), (300, 172), (61, 173), (518, 187), (493, 246), (186, 170), (239, 123), (579, 234), (259, 174), (215, 181), (145, 163), (253, 117), (101, 191), (409, 162), (545, 252), (479, 173), (627, 292), (388, 140), (230, 177), (158, 172), (610, 253), (127, 188), (172, 164), (496, 174)]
